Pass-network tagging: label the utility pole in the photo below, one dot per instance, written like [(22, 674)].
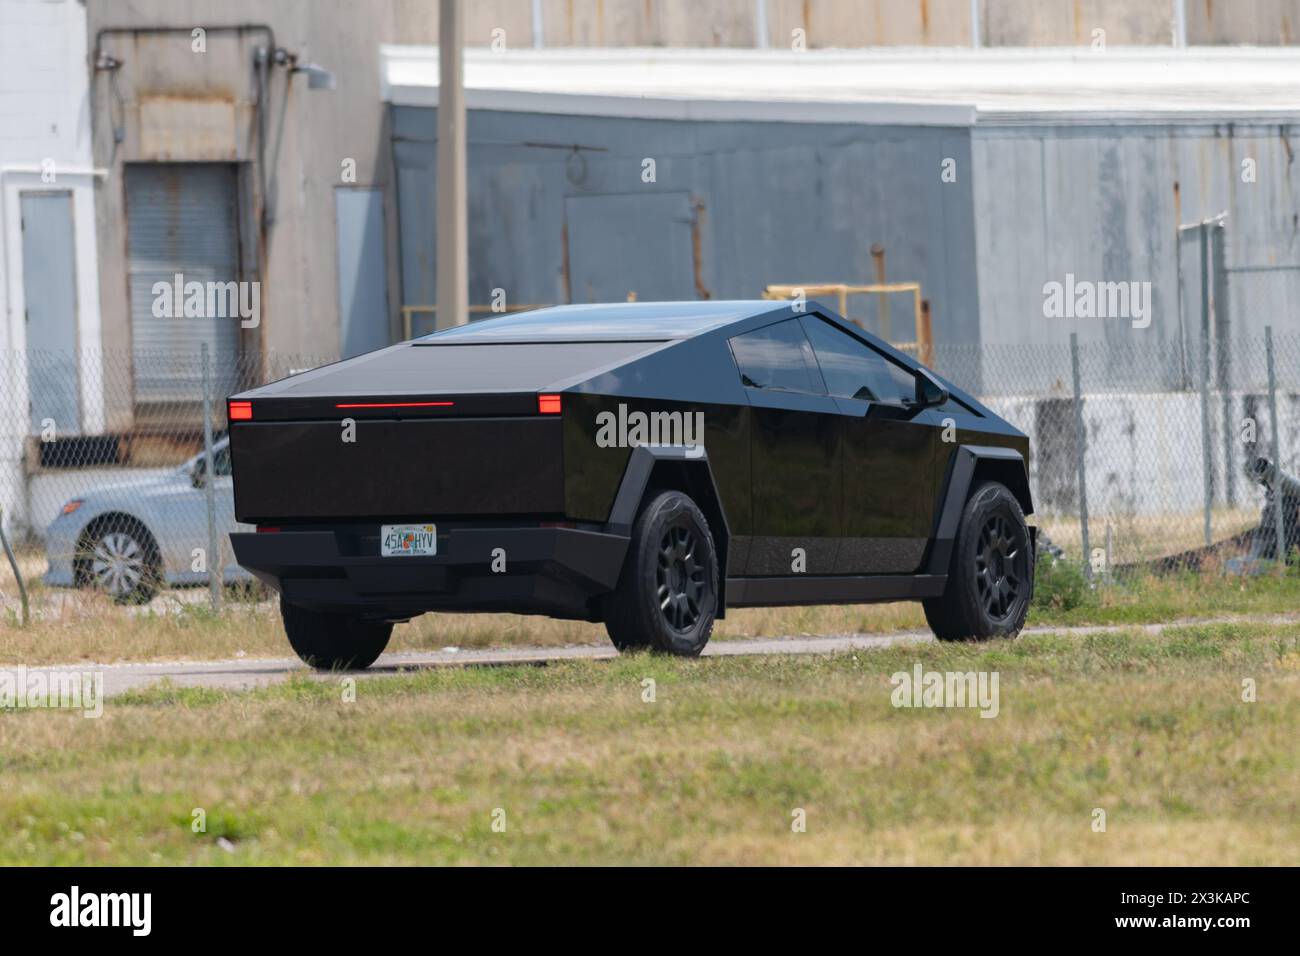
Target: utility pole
[(453, 253)]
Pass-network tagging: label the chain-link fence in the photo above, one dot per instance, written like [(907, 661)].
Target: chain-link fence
[(115, 473), (1141, 455), (1141, 458)]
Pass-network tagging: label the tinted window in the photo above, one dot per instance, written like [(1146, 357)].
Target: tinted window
[(853, 369), (776, 357)]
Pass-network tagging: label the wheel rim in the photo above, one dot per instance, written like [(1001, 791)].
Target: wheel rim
[(117, 563), (999, 568), (680, 578)]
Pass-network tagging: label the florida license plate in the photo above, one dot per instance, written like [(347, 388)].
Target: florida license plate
[(408, 540)]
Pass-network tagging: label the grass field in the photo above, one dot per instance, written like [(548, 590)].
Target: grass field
[(1151, 729)]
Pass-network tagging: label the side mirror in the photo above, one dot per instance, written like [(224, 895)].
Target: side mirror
[(930, 392), (198, 474)]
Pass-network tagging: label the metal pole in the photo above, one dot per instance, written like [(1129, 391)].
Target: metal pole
[(215, 563), (1223, 373), (1279, 525), (539, 26), (1080, 446), (1207, 474), (13, 563), (453, 255), (1180, 23)]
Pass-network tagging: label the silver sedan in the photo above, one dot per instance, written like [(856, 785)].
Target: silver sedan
[(132, 537)]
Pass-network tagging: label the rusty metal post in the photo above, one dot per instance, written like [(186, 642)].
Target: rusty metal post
[(878, 257), (925, 334)]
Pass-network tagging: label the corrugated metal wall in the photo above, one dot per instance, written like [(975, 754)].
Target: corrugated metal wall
[(761, 203), (785, 203), (861, 23), (1104, 202)]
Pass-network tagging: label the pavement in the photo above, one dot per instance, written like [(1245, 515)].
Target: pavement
[(247, 673)]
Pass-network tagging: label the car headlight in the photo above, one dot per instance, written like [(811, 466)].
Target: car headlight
[(72, 506)]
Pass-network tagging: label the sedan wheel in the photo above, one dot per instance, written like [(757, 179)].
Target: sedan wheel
[(120, 560)]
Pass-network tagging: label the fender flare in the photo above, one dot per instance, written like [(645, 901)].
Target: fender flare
[(636, 478), (961, 472)]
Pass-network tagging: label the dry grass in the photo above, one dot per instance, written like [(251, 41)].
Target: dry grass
[(1136, 538), (71, 626), (1151, 729)]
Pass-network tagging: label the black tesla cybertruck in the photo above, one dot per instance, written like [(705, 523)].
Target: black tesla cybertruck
[(648, 465)]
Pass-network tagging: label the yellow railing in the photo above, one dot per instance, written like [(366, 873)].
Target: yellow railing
[(922, 346)]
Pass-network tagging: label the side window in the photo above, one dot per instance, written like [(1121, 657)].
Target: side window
[(777, 357), (853, 369), (221, 460)]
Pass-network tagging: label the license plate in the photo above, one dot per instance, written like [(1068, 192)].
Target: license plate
[(408, 540)]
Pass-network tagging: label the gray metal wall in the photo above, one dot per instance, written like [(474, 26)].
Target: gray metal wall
[(736, 206), (757, 203), (1104, 203)]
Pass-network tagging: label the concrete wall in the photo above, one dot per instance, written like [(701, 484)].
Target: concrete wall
[(772, 203), (1143, 452), (44, 145)]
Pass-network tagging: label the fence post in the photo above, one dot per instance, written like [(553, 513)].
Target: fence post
[(13, 563), (1278, 523), (215, 563), (1080, 444), (1207, 474)]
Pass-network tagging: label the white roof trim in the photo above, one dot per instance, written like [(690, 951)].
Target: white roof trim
[(935, 87)]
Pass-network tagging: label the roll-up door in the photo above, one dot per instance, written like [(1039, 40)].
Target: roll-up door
[(181, 221)]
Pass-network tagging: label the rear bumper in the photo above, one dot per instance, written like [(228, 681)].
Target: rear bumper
[(555, 571)]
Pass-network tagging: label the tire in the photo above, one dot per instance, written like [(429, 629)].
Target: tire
[(991, 574), (118, 556), (332, 641), (667, 592)]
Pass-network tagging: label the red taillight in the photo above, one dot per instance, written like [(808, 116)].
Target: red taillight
[(267, 529), (395, 405), (548, 404), (241, 411)]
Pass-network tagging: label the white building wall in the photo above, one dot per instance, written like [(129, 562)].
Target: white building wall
[(45, 144)]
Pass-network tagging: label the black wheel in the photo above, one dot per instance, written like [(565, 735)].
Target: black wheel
[(118, 556), (334, 642), (667, 592), (991, 574)]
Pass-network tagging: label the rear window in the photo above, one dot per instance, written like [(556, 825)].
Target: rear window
[(427, 367)]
